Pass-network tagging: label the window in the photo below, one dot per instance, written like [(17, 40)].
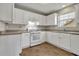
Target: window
[(62, 19), (56, 18)]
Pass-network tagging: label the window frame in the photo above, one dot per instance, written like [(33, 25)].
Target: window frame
[(69, 16)]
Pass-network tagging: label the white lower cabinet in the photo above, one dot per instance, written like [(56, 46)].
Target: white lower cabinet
[(69, 42), (43, 37), (75, 44), (14, 44), (59, 39), (53, 38), (10, 45), (64, 40), (2, 45), (32, 39), (25, 42)]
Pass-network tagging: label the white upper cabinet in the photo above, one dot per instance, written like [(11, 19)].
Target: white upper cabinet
[(23, 17), (42, 20), (18, 16), (77, 13), (30, 16), (51, 19), (26, 17), (6, 12), (10, 14), (33, 17)]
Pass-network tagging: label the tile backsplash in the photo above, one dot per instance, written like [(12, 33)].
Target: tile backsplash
[(14, 27)]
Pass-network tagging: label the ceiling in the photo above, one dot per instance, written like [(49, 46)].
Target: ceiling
[(43, 8)]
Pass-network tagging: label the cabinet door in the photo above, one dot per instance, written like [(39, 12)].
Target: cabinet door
[(29, 16), (13, 45), (18, 16), (75, 44), (37, 18), (25, 40), (49, 37), (26, 17), (42, 20), (64, 41), (10, 45), (53, 38), (43, 37), (6, 11), (33, 17), (51, 19), (3, 50)]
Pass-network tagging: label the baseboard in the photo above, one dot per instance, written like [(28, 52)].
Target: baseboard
[(37, 44)]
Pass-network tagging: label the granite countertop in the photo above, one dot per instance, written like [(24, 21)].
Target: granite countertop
[(65, 32), (74, 31), (12, 32)]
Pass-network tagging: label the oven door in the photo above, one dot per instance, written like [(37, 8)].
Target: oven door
[(35, 38)]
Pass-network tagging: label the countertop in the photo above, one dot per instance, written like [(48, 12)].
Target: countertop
[(65, 32), (12, 32), (74, 31)]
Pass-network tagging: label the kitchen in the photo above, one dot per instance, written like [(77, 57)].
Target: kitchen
[(47, 28)]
